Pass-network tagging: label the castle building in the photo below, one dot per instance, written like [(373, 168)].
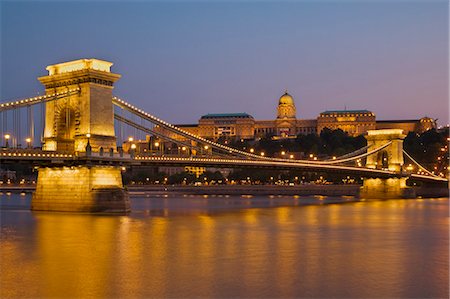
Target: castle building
[(411, 125), (286, 124), (354, 122), (232, 124)]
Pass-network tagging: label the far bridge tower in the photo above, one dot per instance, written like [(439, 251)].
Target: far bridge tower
[(390, 158)]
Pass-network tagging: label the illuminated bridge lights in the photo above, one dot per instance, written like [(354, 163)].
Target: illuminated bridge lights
[(254, 159), (230, 150), (38, 99), (235, 162)]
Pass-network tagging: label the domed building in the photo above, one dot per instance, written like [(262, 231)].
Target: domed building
[(286, 107), (286, 125), (286, 122)]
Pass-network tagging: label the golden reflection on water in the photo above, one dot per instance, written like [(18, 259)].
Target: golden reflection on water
[(372, 249)]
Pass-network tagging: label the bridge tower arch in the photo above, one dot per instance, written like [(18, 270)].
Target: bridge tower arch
[(391, 157), (69, 119)]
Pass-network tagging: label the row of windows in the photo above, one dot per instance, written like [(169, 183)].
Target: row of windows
[(264, 130), (225, 131), (345, 114), (273, 130), (307, 130), (337, 126), (224, 122)]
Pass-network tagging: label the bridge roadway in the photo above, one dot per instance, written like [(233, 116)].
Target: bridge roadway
[(49, 158)]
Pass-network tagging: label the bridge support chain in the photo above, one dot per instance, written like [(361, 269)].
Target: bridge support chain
[(89, 189), (381, 188)]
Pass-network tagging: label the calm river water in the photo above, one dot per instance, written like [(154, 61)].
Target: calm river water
[(193, 246)]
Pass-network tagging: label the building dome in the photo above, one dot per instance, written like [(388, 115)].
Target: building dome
[(286, 107), (286, 99), (425, 124)]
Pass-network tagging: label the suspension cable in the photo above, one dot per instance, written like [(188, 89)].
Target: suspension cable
[(361, 150), (148, 130), (123, 104), (420, 166), (36, 100), (172, 128)]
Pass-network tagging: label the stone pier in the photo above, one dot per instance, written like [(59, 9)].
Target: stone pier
[(386, 189), (390, 158), (89, 189)]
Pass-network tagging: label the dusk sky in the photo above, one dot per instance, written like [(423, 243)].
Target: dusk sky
[(180, 60)]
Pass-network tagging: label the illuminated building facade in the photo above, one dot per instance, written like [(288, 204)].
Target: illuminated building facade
[(412, 125), (354, 122), (286, 124), (233, 124)]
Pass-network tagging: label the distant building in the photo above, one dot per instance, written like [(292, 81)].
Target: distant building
[(412, 125), (354, 122), (214, 126), (286, 124)]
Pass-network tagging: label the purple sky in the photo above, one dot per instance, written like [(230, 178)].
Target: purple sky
[(180, 60)]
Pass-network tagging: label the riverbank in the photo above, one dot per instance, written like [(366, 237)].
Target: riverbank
[(301, 190)]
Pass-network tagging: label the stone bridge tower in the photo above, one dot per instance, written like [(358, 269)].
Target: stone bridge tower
[(389, 158), (68, 120), (70, 123)]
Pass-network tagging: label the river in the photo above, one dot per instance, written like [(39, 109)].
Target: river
[(177, 246)]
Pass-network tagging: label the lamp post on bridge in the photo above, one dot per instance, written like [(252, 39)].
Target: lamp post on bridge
[(132, 150), (7, 136), (28, 140), (157, 144)]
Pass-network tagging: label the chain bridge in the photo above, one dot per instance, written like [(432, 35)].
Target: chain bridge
[(81, 127)]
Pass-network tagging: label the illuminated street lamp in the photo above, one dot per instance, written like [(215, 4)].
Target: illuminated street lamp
[(283, 153), (7, 136), (130, 139), (206, 147), (132, 150), (262, 154), (183, 150), (157, 144), (252, 150), (28, 140), (291, 156)]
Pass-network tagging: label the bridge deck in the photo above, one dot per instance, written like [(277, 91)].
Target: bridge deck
[(46, 158)]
